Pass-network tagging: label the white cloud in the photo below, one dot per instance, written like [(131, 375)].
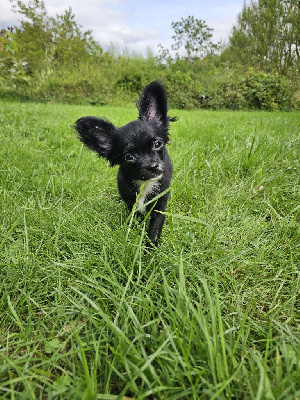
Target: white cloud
[(226, 17), (135, 25), (7, 17), (122, 35), (89, 13), (222, 29)]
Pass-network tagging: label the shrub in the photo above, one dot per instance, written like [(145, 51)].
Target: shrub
[(267, 91), (255, 90)]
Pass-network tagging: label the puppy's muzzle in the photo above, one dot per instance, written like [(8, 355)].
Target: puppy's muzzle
[(156, 168)]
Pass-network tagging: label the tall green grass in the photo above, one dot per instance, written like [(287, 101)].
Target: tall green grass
[(87, 313)]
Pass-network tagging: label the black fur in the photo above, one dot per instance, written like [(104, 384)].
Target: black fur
[(139, 149)]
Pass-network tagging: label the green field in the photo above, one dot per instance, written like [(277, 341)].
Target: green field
[(212, 313)]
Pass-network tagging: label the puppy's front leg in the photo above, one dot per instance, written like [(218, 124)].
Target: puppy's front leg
[(157, 221)]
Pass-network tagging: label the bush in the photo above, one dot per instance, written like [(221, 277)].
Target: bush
[(52, 59), (267, 91), (118, 80), (255, 90)]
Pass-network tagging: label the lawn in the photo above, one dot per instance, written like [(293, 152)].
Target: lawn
[(86, 312)]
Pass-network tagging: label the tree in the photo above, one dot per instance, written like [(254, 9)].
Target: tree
[(46, 39), (194, 37), (267, 35), (71, 43)]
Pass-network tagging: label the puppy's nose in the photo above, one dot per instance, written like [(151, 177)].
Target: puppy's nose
[(155, 167)]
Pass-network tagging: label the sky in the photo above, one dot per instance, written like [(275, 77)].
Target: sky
[(135, 24)]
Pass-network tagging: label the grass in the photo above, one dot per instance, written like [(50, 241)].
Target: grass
[(87, 313)]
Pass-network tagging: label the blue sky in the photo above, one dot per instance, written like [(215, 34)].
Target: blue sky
[(135, 24)]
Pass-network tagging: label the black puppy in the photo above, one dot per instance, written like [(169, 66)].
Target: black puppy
[(139, 149)]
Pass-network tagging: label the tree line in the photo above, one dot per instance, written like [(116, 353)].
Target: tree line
[(54, 59)]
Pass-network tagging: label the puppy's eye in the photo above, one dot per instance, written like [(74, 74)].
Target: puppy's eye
[(129, 158), (157, 144)]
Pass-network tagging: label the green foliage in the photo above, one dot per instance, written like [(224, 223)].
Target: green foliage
[(194, 36), (71, 44), (254, 90), (266, 36), (15, 73), (46, 41), (130, 75), (193, 40), (267, 91), (52, 60), (8, 42)]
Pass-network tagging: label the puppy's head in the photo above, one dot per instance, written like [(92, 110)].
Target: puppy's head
[(139, 146)]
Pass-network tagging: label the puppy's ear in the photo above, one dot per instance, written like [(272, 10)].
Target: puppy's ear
[(153, 105), (97, 134)]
